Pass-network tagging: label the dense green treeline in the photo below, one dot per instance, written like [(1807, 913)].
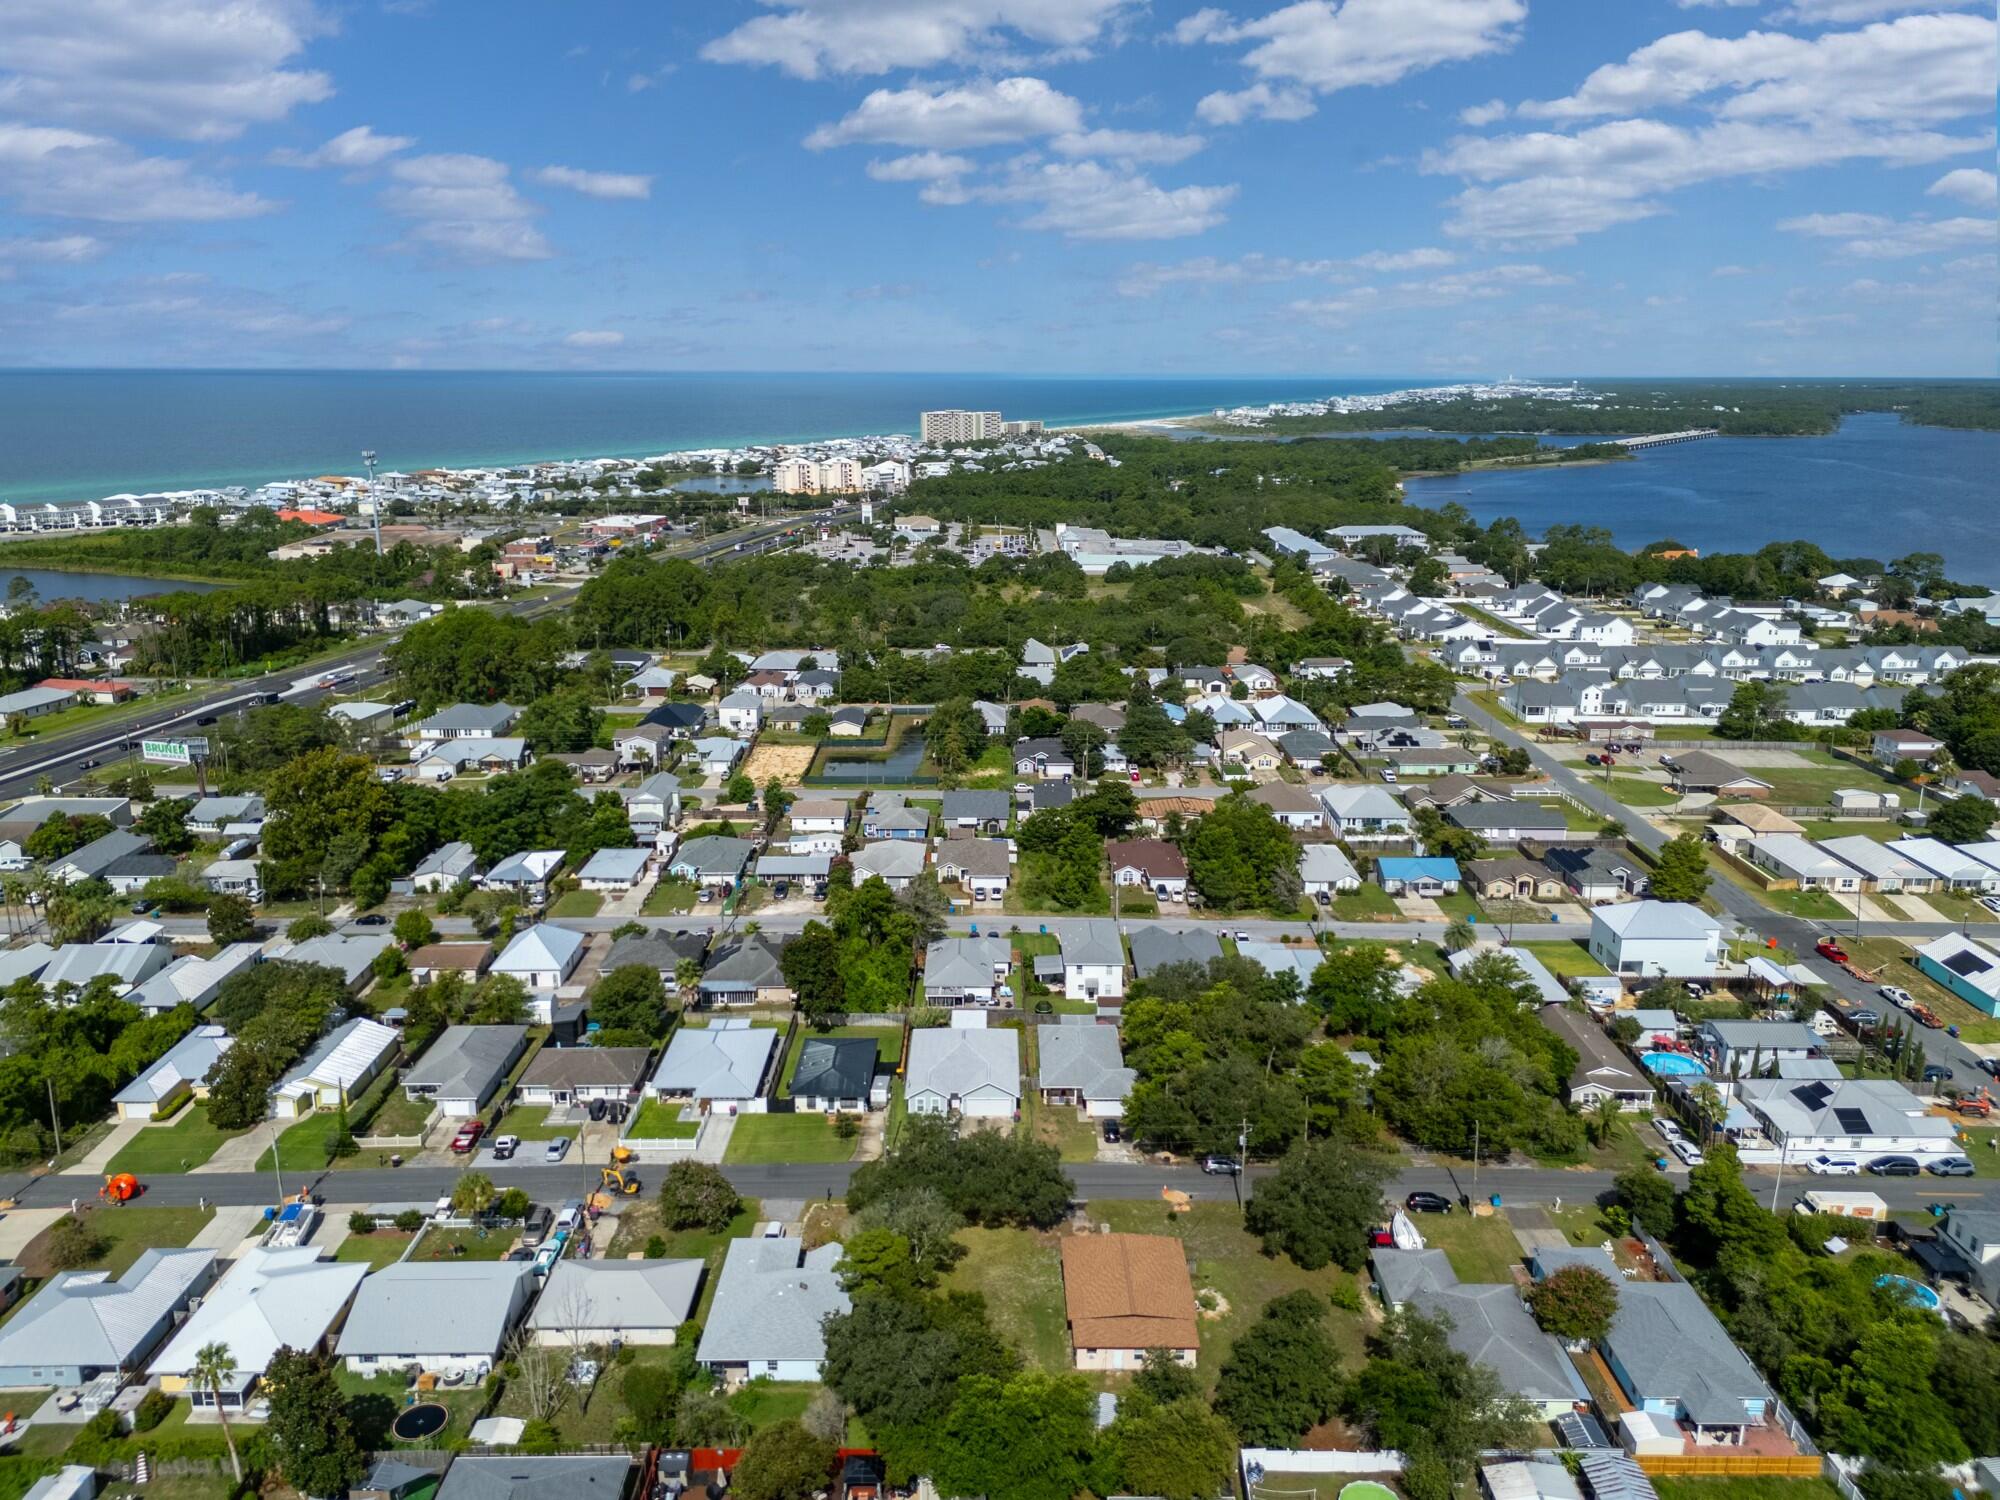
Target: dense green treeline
[(1738, 408)]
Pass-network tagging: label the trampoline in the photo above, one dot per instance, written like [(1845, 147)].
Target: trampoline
[(417, 1422)]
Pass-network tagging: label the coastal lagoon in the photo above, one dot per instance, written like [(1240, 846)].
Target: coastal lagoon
[(1879, 487)]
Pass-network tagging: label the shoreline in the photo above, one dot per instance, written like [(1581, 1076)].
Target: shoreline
[(138, 570)]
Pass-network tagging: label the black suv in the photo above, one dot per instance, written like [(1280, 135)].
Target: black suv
[(1428, 1203), (1894, 1166)]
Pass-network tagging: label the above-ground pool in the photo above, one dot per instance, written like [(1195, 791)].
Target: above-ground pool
[(414, 1423), (1366, 1489), (1916, 1292)]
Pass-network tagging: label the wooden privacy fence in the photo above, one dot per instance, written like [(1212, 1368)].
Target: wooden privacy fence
[(1740, 1465)]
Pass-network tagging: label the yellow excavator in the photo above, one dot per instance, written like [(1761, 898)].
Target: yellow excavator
[(619, 1178)]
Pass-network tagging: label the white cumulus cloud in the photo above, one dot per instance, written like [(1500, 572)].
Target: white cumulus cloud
[(1319, 46), (74, 175), (190, 69), (350, 150), (464, 207), (1878, 237), (596, 184), (1087, 200), (67, 249), (1128, 145), (1972, 185), (594, 338), (809, 38), (921, 166), (987, 112)]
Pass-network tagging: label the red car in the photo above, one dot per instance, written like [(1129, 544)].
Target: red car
[(1829, 949), (468, 1136)]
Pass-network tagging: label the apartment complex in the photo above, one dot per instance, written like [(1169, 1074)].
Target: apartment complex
[(956, 426), (808, 476)]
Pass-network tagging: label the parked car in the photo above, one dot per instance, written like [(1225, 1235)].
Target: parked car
[(780, 889), (1422, 1202), (1834, 1166), (1670, 1130), (1113, 1131), (1894, 1166), (373, 919), (1827, 948), (1221, 1166), (1897, 996), (598, 1109), (1389, 775), (1991, 903), (1864, 1018), (1593, 760), (1950, 1166), (557, 1149), (1688, 1152), (468, 1136), (535, 1228), (1695, 989), (1936, 1073), (504, 1147)]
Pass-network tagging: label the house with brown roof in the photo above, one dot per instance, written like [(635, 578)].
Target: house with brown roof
[(1124, 1294), (466, 959), (1150, 864)]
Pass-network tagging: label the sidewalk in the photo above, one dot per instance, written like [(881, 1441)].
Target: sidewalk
[(93, 1162)]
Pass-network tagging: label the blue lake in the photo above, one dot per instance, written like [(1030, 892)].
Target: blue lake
[(1879, 487)]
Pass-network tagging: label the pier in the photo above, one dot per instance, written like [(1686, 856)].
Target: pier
[(1661, 439)]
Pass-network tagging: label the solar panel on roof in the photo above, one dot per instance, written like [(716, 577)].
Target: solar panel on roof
[(1966, 963), (1580, 1430), (1853, 1121), (1813, 1095)]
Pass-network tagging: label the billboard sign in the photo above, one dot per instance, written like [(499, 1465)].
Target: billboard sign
[(175, 752)]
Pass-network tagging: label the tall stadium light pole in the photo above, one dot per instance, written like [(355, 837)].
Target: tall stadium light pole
[(374, 498)]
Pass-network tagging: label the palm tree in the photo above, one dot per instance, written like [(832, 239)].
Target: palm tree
[(687, 974), (213, 1364), (1459, 936), (1707, 1101)]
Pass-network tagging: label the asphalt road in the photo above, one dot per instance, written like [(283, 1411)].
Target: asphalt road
[(1744, 910), (1094, 1180), (61, 757)]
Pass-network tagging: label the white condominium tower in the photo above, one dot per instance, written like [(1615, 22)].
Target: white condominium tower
[(957, 426)]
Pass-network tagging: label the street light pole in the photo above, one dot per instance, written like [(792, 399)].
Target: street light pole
[(374, 499)]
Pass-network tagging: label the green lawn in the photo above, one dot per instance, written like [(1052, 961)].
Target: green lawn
[(531, 1123), (1232, 1264), (787, 1138), (466, 1244), (589, 1418), (1890, 958), (376, 1250), (304, 1145), (1019, 1272), (577, 904), (1369, 903), (373, 1401), (157, 1149), (1481, 1249), (668, 897), (398, 1114), (1459, 906), (661, 1122), (123, 1234), (1637, 791), (1566, 960), (762, 1402)]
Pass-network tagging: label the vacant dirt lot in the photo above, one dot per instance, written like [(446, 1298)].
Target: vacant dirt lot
[(787, 763)]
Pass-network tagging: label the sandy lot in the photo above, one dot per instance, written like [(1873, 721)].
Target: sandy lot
[(787, 763), (1765, 760)]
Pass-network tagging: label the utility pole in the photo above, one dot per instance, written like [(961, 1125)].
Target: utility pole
[(1242, 1161), (55, 1120), (277, 1168), (374, 499)]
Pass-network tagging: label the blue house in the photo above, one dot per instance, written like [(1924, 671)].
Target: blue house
[(1402, 876), (1969, 970)]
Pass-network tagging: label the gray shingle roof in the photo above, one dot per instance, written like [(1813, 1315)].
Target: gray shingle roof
[(1085, 1058), (612, 1296), (770, 1301), (1489, 1323), (1153, 948), (952, 1062), (1672, 1349), (834, 1067), (434, 1307), (467, 1062), (565, 1476)]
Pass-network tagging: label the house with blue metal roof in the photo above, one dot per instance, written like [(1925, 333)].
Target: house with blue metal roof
[(1421, 876)]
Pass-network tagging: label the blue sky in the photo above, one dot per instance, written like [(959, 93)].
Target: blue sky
[(1412, 187)]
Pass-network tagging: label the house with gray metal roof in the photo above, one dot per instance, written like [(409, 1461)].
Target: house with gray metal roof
[(83, 1324), (770, 1302), (339, 1066), (723, 1063), (616, 870), (1082, 1066), (464, 1068), (446, 1317), (465, 721), (630, 1301), (179, 1072), (352, 957), (124, 964), (96, 858), (444, 867), (1490, 1325), (516, 1476)]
